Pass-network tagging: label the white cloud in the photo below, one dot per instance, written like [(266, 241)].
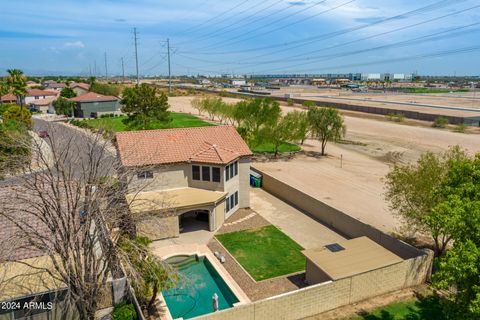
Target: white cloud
[(74, 44)]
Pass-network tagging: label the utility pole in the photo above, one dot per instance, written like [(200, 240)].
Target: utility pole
[(95, 68), (169, 69), (123, 71), (106, 70), (136, 53), (90, 69)]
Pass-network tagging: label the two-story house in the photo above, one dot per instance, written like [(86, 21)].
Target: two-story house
[(175, 175)]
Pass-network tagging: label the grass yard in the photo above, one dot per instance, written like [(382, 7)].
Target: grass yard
[(268, 148), (423, 308), (179, 120), (264, 252)]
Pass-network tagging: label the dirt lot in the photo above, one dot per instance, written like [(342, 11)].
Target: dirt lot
[(357, 187)]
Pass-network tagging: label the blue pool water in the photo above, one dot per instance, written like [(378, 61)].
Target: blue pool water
[(193, 295)]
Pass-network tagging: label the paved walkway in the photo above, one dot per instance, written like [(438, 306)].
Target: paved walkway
[(306, 231)]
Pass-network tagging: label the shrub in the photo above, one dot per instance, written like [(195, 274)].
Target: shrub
[(124, 311), (440, 122), (396, 117), (309, 104), (290, 102), (462, 127)]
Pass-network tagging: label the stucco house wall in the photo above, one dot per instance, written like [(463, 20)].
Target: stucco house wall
[(85, 109)]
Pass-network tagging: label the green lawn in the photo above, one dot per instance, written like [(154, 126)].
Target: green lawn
[(179, 120), (430, 90), (423, 308), (264, 252), (268, 148)]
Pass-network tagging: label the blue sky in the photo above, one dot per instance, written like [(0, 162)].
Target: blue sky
[(242, 36)]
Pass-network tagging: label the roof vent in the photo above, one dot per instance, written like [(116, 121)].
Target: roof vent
[(334, 247)]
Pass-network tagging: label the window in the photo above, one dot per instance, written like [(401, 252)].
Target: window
[(145, 175), (215, 174), (231, 170), (205, 173), (231, 201), (196, 172)]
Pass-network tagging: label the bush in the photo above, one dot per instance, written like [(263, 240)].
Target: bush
[(309, 104), (462, 127), (440, 122), (290, 102), (396, 117), (124, 311)]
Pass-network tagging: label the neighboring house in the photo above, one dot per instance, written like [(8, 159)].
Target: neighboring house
[(80, 88), (56, 86), (43, 105), (32, 96), (91, 104), (179, 175)]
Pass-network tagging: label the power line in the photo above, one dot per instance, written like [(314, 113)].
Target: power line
[(106, 69), (305, 41), (229, 41), (282, 60), (198, 26)]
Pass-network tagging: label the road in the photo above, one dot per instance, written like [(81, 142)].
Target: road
[(78, 147)]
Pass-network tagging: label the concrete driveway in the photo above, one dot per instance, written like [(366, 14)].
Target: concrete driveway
[(306, 231)]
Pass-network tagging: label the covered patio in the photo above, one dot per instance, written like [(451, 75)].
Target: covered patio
[(166, 213)]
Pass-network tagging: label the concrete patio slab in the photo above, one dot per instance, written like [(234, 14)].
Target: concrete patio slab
[(306, 231)]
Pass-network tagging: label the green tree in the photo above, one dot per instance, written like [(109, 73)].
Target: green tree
[(14, 147), (414, 193), (19, 115), (18, 83), (326, 124), (299, 125), (252, 115), (4, 89), (150, 275), (68, 93), (309, 104), (105, 89), (459, 267), (64, 106), (143, 106)]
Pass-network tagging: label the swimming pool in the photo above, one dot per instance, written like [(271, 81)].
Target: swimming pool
[(192, 296)]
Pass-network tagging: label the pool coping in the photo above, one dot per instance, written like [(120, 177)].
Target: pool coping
[(201, 251)]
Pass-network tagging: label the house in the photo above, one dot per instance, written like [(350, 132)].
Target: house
[(80, 88), (91, 104), (43, 105), (181, 175), (55, 86), (31, 96)]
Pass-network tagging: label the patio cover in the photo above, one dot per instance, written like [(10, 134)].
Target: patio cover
[(359, 255), (183, 198)]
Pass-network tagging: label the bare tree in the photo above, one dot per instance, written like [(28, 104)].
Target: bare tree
[(64, 207)]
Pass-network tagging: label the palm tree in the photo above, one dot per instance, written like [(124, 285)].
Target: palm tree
[(18, 82)]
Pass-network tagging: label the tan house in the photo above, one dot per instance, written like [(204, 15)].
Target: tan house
[(185, 176)]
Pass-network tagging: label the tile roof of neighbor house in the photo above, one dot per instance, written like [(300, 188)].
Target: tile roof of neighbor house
[(81, 85), (214, 145), (30, 93), (38, 92), (93, 97), (56, 85)]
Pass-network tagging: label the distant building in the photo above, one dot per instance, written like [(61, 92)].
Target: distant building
[(55, 86), (80, 88), (238, 82), (204, 82), (91, 105)]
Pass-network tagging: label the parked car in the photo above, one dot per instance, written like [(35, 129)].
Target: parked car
[(43, 134)]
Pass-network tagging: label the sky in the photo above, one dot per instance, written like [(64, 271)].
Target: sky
[(212, 37)]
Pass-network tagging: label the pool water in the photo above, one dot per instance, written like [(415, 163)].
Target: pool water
[(193, 294)]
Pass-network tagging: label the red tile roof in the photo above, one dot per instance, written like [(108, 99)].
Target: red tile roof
[(214, 145), (30, 93), (93, 97), (84, 86), (38, 92)]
